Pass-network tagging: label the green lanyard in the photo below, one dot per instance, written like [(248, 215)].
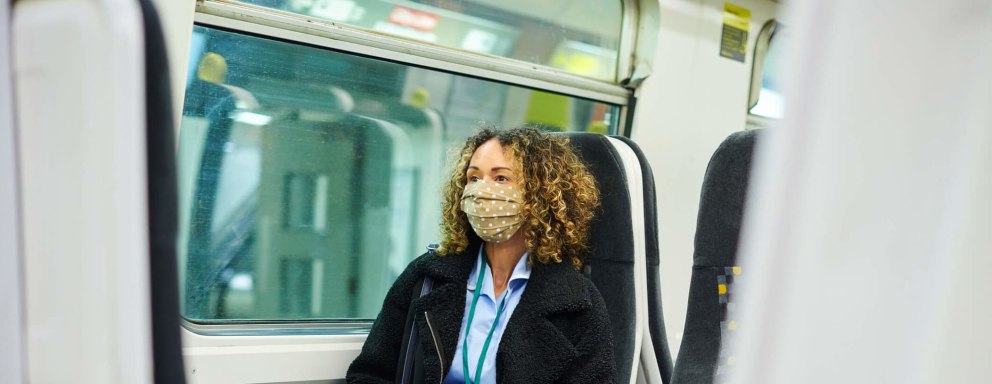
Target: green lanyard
[(468, 327)]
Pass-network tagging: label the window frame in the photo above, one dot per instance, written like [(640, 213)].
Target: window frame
[(258, 20), (255, 20), (302, 327), (761, 45)]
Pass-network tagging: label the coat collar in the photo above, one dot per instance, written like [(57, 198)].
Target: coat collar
[(518, 276), (552, 288)]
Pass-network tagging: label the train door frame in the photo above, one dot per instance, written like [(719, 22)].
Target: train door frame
[(12, 359)]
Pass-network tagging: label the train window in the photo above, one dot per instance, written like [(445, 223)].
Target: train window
[(310, 177), (576, 36), (766, 98)]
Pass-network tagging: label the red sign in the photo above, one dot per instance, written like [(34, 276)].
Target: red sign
[(413, 18)]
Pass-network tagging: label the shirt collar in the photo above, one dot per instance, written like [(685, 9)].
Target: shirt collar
[(520, 272)]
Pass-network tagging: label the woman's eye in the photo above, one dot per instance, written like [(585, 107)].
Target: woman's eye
[(473, 179), (502, 179)]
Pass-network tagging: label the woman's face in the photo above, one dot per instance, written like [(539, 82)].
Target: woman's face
[(490, 163)]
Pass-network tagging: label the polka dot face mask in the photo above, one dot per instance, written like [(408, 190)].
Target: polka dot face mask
[(492, 209)]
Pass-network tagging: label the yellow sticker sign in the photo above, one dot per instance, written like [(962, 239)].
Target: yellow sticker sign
[(736, 23)]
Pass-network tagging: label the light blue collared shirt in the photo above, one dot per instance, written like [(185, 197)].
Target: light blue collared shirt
[(485, 313)]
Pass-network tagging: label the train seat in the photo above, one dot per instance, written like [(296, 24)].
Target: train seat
[(616, 258), (702, 358), (311, 99), (656, 319), (167, 355)]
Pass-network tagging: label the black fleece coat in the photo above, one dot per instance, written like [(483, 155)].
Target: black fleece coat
[(558, 333)]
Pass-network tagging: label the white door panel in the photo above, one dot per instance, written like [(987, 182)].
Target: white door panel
[(11, 325), (79, 76)]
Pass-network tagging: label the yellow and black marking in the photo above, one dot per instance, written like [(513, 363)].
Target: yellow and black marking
[(736, 23), (728, 323)]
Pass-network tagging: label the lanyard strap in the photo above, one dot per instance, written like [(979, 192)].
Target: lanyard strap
[(468, 327)]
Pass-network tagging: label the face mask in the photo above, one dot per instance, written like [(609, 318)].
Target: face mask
[(492, 209)]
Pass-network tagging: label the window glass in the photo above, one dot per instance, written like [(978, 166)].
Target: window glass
[(577, 36), (309, 178), (771, 101)]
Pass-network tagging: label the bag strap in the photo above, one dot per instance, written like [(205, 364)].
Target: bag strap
[(405, 374), (410, 333)]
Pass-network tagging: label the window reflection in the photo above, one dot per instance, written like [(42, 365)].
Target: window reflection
[(578, 36), (309, 178)]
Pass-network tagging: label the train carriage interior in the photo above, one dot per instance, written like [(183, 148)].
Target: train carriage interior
[(224, 191)]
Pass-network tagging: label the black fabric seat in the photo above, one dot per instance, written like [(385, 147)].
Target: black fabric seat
[(622, 247), (710, 312), (656, 319), (610, 261), (162, 201)]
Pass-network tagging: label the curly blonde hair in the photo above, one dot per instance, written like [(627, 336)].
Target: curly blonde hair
[(560, 195)]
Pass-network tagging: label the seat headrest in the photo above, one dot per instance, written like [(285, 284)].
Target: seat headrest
[(319, 98), (610, 235), (721, 202)]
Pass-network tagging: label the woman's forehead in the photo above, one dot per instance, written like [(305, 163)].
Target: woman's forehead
[(491, 155)]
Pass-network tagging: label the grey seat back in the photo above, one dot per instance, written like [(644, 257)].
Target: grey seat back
[(656, 319), (701, 359), (623, 257), (162, 201), (610, 260)]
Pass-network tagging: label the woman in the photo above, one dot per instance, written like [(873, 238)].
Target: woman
[(508, 303)]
